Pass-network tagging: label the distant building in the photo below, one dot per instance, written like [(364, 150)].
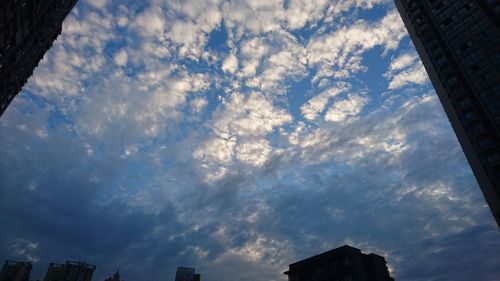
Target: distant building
[(186, 274), (342, 264), (116, 277), (458, 42), (16, 271), (71, 271), (27, 30)]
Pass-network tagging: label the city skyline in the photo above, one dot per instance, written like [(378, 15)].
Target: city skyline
[(236, 137), (344, 263)]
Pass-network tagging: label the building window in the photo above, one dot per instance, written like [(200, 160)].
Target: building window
[(442, 60), (465, 103)]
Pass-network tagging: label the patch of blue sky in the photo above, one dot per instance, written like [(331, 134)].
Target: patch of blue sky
[(113, 46), (377, 12), (372, 78), (304, 35), (298, 94), (217, 40)]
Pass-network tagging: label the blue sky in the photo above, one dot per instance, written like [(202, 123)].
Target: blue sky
[(237, 137)]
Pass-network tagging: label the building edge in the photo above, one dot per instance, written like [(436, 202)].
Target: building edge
[(475, 164)]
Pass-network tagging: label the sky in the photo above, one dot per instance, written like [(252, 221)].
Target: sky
[(237, 137)]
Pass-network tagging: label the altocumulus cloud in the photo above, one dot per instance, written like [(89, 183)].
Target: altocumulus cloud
[(237, 137)]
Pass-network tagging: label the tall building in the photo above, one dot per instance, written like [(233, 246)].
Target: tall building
[(459, 44), (343, 264), (27, 30), (71, 271), (186, 274), (16, 271)]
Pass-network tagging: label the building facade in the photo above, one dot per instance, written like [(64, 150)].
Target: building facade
[(458, 42), (186, 274), (71, 271), (345, 263), (16, 271), (27, 30)]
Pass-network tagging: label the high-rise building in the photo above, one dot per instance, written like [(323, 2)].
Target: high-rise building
[(71, 271), (16, 271), (186, 274), (345, 263), (27, 30), (458, 42)]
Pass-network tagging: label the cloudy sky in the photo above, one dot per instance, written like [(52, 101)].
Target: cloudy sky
[(237, 137)]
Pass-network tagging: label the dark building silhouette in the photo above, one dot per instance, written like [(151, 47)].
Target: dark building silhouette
[(116, 277), (71, 271), (186, 274), (27, 30), (459, 44), (16, 271), (345, 263)]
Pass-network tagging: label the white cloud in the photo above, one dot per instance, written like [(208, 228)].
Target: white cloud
[(230, 63), (198, 104), (317, 104), (300, 12), (121, 58), (189, 24), (339, 54), (287, 64), (340, 6), (189, 38), (274, 62), (98, 3), (344, 108), (414, 75), (249, 115), (406, 69), (240, 129), (122, 21), (217, 150), (214, 156), (402, 61), (252, 51), (203, 13), (253, 152), (151, 22), (254, 16)]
